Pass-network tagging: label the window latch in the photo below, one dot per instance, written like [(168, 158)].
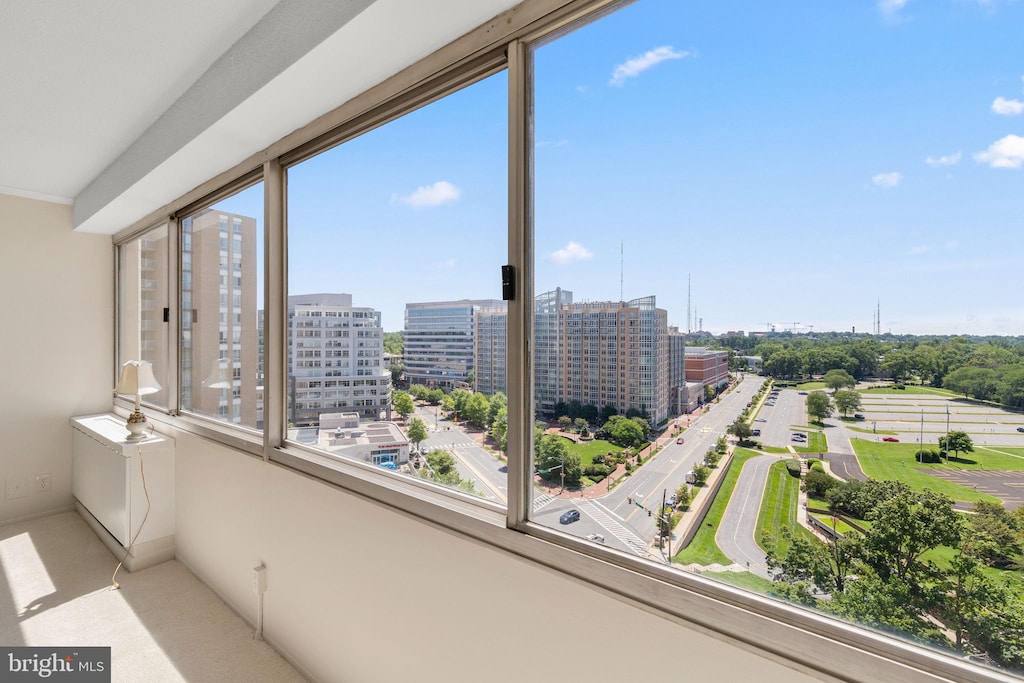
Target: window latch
[(508, 283)]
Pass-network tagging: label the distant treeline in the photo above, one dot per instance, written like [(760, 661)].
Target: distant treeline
[(984, 368)]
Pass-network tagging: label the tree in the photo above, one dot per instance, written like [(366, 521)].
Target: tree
[(564, 421), (721, 445), (499, 429), (580, 424), (394, 342), (701, 473), (476, 409), (498, 403), (417, 432), (958, 442), (837, 379), (783, 364), (846, 401), (712, 457), (402, 403), (898, 363), (906, 526), (819, 406), (623, 431), (817, 484), (740, 429), (683, 496), (981, 383)]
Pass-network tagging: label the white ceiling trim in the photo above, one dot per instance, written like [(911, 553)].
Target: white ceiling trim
[(371, 45)]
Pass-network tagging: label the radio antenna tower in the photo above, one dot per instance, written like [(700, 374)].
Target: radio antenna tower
[(689, 290)]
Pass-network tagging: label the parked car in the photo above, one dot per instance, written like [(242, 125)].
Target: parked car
[(891, 439), (569, 516), (1020, 429), (671, 501), (388, 465), (858, 416), (799, 437), (679, 440), (756, 432)]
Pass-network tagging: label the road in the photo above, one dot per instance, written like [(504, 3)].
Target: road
[(735, 535), (628, 524)]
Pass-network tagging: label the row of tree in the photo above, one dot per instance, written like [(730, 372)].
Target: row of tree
[(990, 368)]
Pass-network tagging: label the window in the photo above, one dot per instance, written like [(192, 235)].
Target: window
[(782, 174), (215, 344), (779, 171), (422, 199), (142, 297)]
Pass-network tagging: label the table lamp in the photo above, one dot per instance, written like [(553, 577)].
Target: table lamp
[(137, 380)]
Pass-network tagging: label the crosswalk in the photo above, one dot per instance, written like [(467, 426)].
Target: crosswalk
[(597, 512), (541, 499)]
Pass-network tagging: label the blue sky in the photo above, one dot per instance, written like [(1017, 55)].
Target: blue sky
[(799, 161)]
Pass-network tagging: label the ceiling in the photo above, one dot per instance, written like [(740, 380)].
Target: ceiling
[(121, 106)]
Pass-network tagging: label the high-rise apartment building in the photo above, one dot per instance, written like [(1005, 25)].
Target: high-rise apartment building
[(616, 353), (678, 398), (440, 338), (547, 337), (489, 355), (335, 359), (219, 354)]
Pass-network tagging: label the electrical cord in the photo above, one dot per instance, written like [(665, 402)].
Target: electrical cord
[(142, 470)]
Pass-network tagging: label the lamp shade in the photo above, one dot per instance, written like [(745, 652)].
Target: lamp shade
[(137, 379), (220, 375)]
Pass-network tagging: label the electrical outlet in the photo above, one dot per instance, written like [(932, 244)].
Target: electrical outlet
[(16, 488), (43, 482)]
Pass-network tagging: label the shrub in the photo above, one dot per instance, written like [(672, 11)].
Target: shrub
[(793, 467), (928, 455), (598, 459), (817, 483), (597, 470), (818, 467)]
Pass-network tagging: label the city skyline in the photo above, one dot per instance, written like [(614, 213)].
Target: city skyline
[(797, 163)]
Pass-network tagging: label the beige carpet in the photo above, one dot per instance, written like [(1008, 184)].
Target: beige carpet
[(162, 625)]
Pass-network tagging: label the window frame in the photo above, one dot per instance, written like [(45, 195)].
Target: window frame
[(819, 645)]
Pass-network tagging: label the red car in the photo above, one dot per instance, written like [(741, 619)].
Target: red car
[(892, 439), (679, 440)]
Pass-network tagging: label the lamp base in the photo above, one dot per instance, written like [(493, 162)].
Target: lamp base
[(136, 426)]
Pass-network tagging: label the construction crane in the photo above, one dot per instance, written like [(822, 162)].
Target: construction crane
[(767, 327), (793, 328)]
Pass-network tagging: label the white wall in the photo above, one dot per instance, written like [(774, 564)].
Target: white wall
[(357, 592), (56, 341)]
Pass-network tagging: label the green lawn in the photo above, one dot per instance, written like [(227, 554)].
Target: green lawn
[(816, 443), (745, 580), (775, 449), (895, 462), (811, 386), (840, 526), (588, 449), (779, 508), (703, 549), (868, 431)]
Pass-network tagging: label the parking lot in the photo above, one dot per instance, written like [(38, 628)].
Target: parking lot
[(986, 425)]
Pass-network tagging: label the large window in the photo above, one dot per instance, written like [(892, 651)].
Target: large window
[(396, 327), (702, 168), (221, 295), (690, 179), (143, 283)]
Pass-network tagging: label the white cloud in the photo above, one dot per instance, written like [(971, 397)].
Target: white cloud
[(891, 7), (1007, 152), (637, 65), (887, 180), (945, 160), (439, 193), (574, 251), (1006, 107)]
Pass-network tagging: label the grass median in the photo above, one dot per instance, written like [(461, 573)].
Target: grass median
[(779, 509)]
